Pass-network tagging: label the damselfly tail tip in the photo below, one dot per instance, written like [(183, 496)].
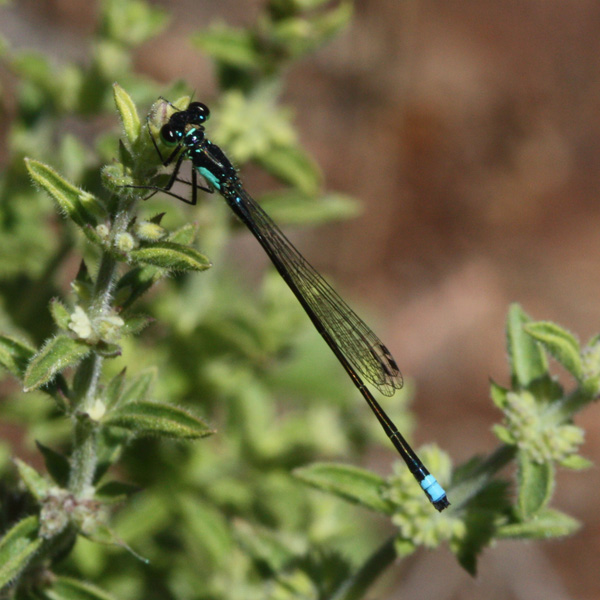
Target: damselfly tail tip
[(441, 504)]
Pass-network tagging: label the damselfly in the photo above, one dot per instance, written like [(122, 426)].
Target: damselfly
[(358, 349)]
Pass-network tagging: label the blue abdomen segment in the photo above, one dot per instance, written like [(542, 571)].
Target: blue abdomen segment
[(432, 488)]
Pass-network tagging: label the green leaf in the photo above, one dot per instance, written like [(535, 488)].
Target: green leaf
[(234, 47), (133, 22), (15, 355), (331, 22), (301, 35), (102, 534), (38, 487), (125, 158), (504, 435), (172, 256), (591, 387), (263, 546), (67, 588), (138, 387), (307, 5), (561, 344), (536, 484), (70, 199), (17, 548), (548, 523), (149, 418), (143, 517), (403, 547), (115, 491), (59, 353), (528, 361), (293, 166), (184, 235), (576, 462), (292, 207), (60, 313), (34, 67), (134, 324), (57, 464), (498, 395), (208, 528), (135, 283), (358, 486), (480, 531), (128, 114), (82, 285), (108, 350), (113, 390)]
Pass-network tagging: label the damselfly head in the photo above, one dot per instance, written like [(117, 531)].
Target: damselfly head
[(198, 112), (171, 134)]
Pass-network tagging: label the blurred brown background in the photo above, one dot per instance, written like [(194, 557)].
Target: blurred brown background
[(471, 132)]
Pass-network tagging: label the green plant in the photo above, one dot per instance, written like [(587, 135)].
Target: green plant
[(234, 515)]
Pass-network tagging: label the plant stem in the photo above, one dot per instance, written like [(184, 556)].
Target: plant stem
[(84, 456), (355, 587), (83, 459)]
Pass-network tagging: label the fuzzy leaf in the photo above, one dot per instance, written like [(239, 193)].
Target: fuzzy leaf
[(135, 283), (536, 484), (15, 355), (561, 344), (17, 547), (134, 324), (548, 523), (57, 464), (67, 588), (358, 486), (293, 166), (60, 314), (128, 113), (528, 361), (59, 353), (38, 487), (184, 235), (67, 196), (172, 256), (83, 285), (149, 418), (125, 158)]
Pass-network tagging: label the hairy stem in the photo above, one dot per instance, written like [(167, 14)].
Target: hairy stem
[(84, 457)]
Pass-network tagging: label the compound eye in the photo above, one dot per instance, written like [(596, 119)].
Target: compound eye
[(169, 135), (200, 111)]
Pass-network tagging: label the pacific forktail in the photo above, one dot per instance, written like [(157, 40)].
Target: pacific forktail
[(358, 349)]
